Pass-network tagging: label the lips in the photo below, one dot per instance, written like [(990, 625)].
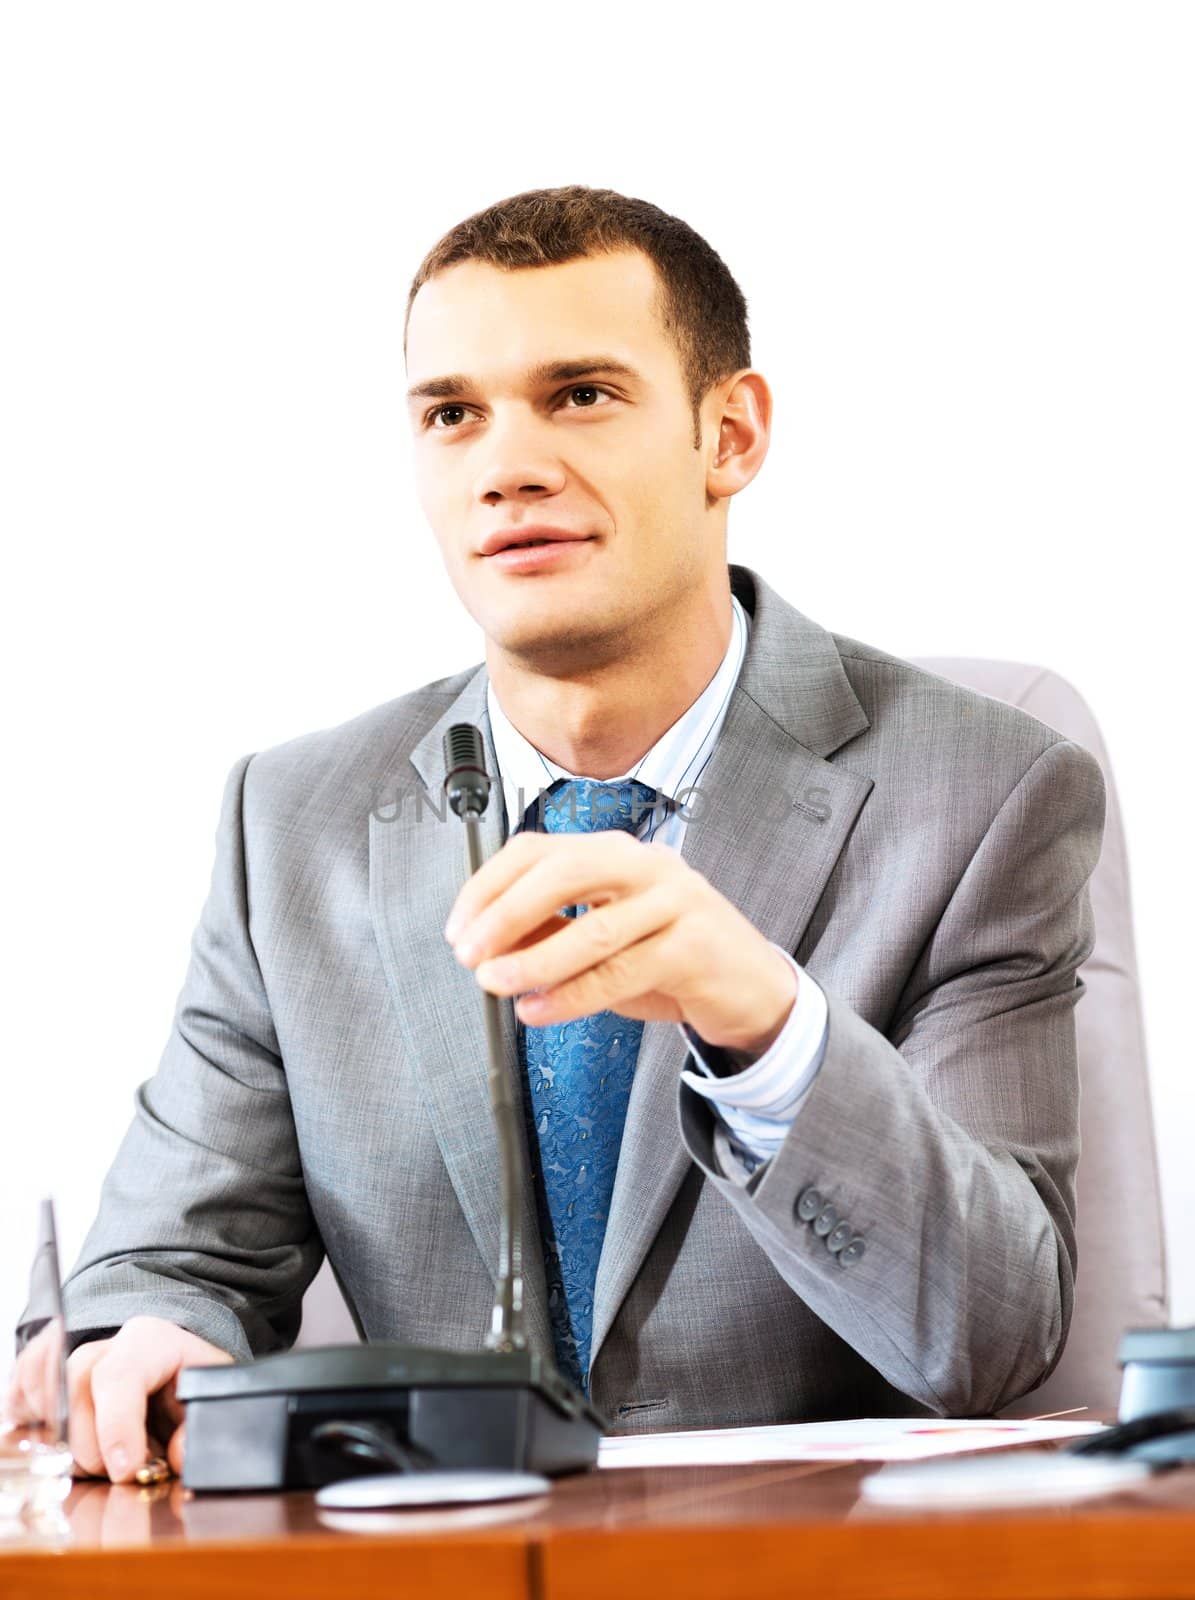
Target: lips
[(511, 538)]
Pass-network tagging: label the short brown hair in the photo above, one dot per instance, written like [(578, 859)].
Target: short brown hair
[(700, 305)]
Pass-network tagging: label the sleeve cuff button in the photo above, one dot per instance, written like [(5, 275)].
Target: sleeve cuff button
[(838, 1238), (809, 1204)]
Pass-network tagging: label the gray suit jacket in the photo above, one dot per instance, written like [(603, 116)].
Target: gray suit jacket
[(922, 849)]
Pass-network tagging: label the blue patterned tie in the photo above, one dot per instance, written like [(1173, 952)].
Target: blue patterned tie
[(579, 1079)]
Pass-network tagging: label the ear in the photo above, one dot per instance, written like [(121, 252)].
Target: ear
[(742, 421)]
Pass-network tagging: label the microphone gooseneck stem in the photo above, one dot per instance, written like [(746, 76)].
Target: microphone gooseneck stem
[(506, 1328)]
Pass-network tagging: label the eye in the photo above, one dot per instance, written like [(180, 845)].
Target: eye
[(430, 419), (589, 388)]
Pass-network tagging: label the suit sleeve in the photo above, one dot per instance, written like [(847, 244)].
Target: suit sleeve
[(923, 1203), (203, 1216)]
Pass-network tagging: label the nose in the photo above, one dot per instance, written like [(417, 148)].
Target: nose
[(519, 465)]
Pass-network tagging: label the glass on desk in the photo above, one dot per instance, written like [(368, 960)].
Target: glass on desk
[(35, 1456)]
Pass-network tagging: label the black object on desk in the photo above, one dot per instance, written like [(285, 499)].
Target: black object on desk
[(304, 1418), (1157, 1400)]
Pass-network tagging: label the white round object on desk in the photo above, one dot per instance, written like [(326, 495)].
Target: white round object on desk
[(428, 1489), (1019, 1478)]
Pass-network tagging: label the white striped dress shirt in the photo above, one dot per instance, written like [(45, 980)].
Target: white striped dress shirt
[(756, 1105)]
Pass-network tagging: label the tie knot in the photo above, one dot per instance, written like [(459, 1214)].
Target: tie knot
[(586, 805)]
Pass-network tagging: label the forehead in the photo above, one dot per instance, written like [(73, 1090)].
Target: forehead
[(492, 322)]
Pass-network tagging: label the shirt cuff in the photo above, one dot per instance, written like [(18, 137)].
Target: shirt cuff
[(755, 1106), (769, 1086)]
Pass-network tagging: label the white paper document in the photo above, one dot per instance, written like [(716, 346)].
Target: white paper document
[(855, 1439)]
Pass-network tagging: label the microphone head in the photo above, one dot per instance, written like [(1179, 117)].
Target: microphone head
[(467, 783)]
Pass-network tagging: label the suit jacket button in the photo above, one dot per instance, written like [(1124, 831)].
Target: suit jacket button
[(809, 1203), (838, 1237), (826, 1220), (853, 1251)]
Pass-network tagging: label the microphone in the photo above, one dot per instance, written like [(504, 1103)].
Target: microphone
[(467, 786)]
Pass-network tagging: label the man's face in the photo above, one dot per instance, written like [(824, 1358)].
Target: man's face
[(604, 454)]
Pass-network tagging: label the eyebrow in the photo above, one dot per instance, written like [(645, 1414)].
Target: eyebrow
[(545, 372)]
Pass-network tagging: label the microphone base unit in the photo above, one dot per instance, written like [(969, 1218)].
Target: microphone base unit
[(301, 1419)]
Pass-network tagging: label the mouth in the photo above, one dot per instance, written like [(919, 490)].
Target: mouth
[(528, 534), (532, 554)]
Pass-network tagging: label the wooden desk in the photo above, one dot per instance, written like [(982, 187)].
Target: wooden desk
[(762, 1531)]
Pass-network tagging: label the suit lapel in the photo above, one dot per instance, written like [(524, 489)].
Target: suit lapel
[(769, 821)]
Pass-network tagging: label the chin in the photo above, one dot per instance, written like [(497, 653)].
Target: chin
[(524, 635)]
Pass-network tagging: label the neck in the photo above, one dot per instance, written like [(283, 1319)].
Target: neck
[(600, 719)]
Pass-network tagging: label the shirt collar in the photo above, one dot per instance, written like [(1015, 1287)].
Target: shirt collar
[(671, 766)]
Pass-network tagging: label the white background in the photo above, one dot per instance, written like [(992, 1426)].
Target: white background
[(965, 235)]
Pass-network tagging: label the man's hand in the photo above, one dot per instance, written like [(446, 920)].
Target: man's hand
[(115, 1388), (658, 943)]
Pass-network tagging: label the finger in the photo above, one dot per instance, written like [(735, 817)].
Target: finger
[(13, 1393), (16, 1404), (584, 942), (585, 870), (515, 856), (164, 1412), (138, 1361), (518, 856), (81, 1434), (647, 969), (176, 1447), (544, 930), (36, 1358)]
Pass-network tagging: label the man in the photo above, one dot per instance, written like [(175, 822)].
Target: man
[(794, 929)]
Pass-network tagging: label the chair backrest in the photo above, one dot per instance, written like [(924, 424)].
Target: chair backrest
[(326, 1317), (1122, 1268), (1121, 1279)]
